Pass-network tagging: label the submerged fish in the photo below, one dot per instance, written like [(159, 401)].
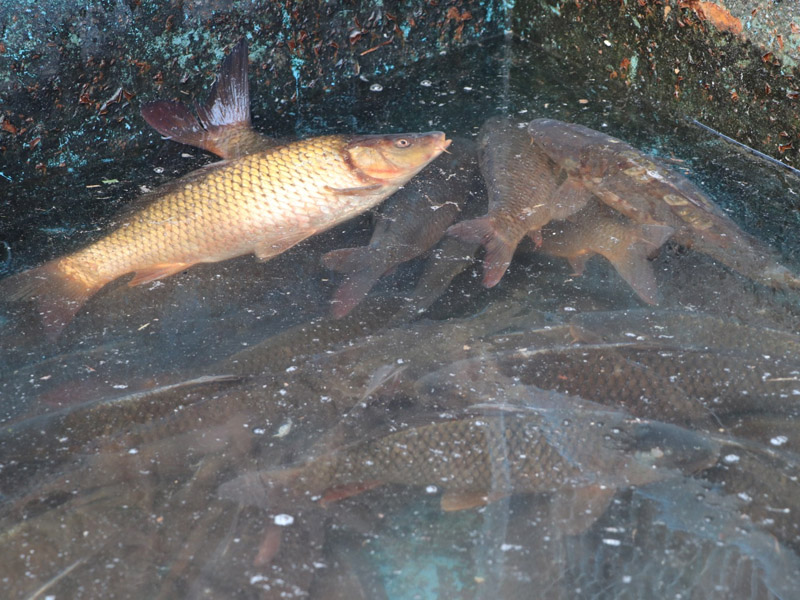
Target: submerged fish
[(263, 203), (525, 193), (649, 193), (495, 452), (410, 224), (626, 245), (222, 125)]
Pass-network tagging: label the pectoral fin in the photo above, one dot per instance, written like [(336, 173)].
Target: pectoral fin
[(273, 247), (578, 263), (355, 191), (568, 198), (452, 501), (340, 492), (155, 272)]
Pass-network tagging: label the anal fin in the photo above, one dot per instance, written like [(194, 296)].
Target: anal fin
[(273, 247), (340, 492), (155, 272)]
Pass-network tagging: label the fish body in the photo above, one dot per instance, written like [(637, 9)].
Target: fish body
[(263, 203), (410, 224), (649, 193), (624, 243), (487, 456), (525, 193), (222, 125)]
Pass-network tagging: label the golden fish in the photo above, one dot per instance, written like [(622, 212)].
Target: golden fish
[(263, 203), (626, 245), (648, 193), (222, 125), (504, 450), (525, 193), (410, 224)]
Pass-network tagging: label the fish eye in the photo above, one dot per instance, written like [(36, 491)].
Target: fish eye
[(402, 143)]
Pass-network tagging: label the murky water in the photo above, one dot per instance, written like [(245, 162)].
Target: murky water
[(146, 453)]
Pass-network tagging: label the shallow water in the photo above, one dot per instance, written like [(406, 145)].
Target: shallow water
[(126, 447)]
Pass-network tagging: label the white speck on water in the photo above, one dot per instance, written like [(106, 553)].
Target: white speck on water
[(259, 431), (120, 386), (570, 309), (319, 565), (607, 43), (467, 88), (431, 489), (731, 458), (376, 87), (507, 547), (611, 542), (779, 440), (257, 579), (282, 391), (284, 429), (133, 451), (324, 399), (291, 369), (426, 83), (627, 579), (158, 170), (282, 520), (744, 496)]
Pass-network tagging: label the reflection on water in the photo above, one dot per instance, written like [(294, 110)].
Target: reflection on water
[(221, 433)]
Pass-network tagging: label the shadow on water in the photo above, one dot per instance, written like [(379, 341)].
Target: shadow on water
[(220, 434)]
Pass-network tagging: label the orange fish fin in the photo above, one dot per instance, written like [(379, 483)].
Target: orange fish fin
[(154, 272), (340, 492), (272, 248), (361, 190), (270, 546), (499, 251), (452, 501), (631, 262), (57, 295)]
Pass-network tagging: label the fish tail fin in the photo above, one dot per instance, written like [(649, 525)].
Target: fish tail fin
[(631, 261), (57, 294), (222, 124), (499, 251)]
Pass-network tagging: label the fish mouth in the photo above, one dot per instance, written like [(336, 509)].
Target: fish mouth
[(443, 145)]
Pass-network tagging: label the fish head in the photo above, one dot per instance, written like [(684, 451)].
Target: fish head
[(394, 159)]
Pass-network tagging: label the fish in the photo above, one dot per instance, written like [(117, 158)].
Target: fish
[(646, 192), (494, 452), (222, 124), (625, 244), (526, 191), (410, 223), (263, 203)]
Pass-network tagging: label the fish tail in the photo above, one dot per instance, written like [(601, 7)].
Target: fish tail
[(350, 293), (222, 122), (499, 250), (57, 292), (347, 260)]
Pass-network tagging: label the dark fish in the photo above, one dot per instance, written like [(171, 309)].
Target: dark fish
[(499, 451), (526, 190), (625, 244), (409, 224), (222, 125), (648, 193)]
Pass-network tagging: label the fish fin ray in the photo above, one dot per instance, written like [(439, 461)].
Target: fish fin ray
[(346, 260), (228, 103), (575, 511), (175, 121), (578, 263), (58, 297), (274, 247), (340, 492), (453, 501), (631, 262), (353, 290), (361, 190), (499, 251), (155, 272)]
